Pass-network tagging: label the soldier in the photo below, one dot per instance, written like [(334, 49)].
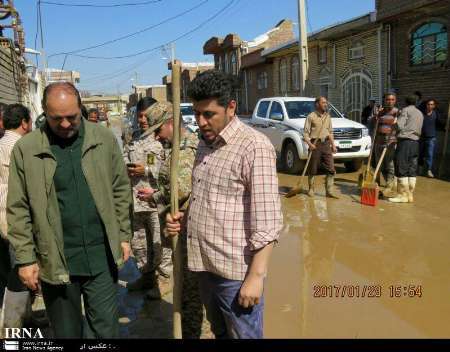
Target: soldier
[(386, 138), (143, 156), (160, 117), (318, 134)]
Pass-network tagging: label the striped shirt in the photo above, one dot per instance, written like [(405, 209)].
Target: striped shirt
[(235, 207), (6, 146)]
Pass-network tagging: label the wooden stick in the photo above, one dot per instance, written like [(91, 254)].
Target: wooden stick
[(444, 150), (177, 254), (379, 163)]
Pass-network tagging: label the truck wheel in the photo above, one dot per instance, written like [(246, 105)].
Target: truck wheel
[(353, 165), (291, 161)]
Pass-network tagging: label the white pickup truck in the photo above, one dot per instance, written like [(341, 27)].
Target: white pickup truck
[(282, 120)]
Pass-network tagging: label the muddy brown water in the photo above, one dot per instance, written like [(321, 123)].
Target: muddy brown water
[(327, 245)]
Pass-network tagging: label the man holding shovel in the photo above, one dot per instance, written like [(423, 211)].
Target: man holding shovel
[(318, 134), (385, 124)]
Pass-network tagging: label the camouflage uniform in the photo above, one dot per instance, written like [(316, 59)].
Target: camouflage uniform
[(194, 322), (146, 242)]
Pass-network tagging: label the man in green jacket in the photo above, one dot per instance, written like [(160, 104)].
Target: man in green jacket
[(68, 212)]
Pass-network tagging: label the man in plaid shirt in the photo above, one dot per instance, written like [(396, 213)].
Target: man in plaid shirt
[(234, 216)]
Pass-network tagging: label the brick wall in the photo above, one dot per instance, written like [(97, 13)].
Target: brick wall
[(11, 74), (387, 8), (431, 80), (253, 93)]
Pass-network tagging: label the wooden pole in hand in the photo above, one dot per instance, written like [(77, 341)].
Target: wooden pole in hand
[(444, 150), (177, 254)]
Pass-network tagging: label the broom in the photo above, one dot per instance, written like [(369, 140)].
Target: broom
[(366, 176)]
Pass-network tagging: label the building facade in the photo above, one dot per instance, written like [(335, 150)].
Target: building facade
[(107, 105), (53, 75), (347, 64), (229, 53), (417, 47), (188, 72)]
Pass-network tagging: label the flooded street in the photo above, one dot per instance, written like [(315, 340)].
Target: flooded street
[(341, 243)]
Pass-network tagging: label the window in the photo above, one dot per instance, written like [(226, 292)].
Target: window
[(283, 77), (262, 80), (429, 44), (295, 65), (323, 55), (276, 109), (262, 109), (357, 90), (356, 51), (233, 63)]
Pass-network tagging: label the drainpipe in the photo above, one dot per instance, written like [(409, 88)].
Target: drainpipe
[(246, 91), (389, 58), (380, 67), (334, 67)]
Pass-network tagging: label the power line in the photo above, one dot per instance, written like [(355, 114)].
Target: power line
[(113, 75), (159, 46), (134, 33), (103, 6)]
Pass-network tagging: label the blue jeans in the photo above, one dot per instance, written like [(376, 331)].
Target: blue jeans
[(427, 150), (228, 319)]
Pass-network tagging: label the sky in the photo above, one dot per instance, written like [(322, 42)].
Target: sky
[(66, 29)]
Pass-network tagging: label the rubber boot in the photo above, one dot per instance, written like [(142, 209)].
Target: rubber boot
[(329, 187), (15, 307), (145, 282), (402, 190), (390, 191), (412, 187), (311, 186)]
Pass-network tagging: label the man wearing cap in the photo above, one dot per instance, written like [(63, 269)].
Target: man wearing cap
[(143, 155), (160, 119)]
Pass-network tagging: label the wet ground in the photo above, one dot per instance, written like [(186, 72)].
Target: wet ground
[(343, 243)]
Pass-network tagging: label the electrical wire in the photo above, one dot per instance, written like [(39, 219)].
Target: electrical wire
[(159, 46), (134, 33), (113, 75), (101, 6)]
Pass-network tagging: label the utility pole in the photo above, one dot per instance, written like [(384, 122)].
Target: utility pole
[(303, 46)]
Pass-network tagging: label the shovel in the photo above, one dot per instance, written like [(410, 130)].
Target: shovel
[(367, 175), (298, 188)]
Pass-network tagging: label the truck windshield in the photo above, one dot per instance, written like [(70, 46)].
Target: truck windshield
[(300, 109), (186, 110)]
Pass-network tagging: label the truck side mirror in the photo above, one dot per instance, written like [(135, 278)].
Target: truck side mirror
[(278, 116)]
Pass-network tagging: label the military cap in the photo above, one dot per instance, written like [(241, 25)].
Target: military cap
[(158, 114)]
